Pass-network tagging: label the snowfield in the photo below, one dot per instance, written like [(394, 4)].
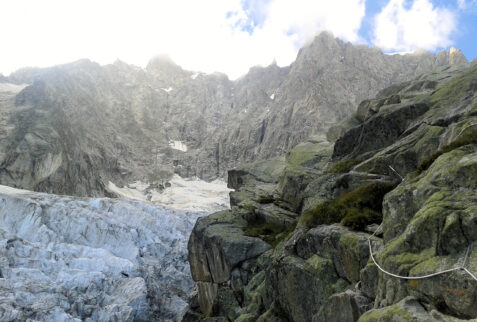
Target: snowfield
[(178, 145), (92, 259), (191, 194), (167, 90), (12, 88)]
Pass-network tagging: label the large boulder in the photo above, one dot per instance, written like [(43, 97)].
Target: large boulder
[(216, 245), (429, 224), (378, 131), (347, 306), (301, 287), (348, 250), (409, 309)]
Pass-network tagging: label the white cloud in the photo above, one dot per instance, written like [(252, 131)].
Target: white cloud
[(198, 35), (403, 28), (304, 17), (465, 4)]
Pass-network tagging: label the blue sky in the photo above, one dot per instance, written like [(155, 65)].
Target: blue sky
[(229, 36), (454, 20), (462, 30), (466, 36)]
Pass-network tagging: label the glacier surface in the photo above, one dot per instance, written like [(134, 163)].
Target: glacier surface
[(92, 259)]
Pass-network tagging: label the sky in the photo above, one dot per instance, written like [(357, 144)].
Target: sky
[(229, 36)]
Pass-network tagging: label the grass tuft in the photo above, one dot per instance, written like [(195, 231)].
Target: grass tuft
[(271, 233), (343, 166), (355, 209), (265, 199)]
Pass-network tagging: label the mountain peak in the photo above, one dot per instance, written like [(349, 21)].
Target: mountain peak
[(452, 57), (162, 59), (163, 66), (325, 35), (456, 56)]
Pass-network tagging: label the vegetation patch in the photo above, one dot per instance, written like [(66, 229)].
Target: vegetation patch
[(359, 219), (265, 199), (468, 136), (390, 313), (270, 233), (355, 209), (248, 205), (206, 315), (453, 91), (344, 166)]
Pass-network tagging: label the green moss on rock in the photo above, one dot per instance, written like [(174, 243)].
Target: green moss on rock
[(309, 153), (344, 166), (388, 314), (467, 136), (402, 263), (453, 91)]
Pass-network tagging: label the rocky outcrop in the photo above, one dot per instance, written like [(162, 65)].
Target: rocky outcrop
[(406, 159), (216, 247), (409, 309), (73, 128)]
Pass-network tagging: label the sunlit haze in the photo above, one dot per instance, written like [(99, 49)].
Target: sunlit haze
[(228, 36)]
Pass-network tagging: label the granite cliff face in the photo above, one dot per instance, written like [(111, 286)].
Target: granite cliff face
[(72, 129), (294, 246)]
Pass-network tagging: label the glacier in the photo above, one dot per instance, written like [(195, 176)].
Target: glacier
[(66, 258)]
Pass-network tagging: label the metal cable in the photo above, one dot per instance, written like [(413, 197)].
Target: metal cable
[(461, 267), (424, 276)]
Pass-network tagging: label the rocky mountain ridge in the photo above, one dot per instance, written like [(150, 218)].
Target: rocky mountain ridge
[(398, 177), (74, 128)]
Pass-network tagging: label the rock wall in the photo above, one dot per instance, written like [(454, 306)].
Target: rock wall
[(71, 129), (294, 246)]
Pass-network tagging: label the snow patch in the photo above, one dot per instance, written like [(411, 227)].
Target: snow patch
[(178, 145), (194, 195), (167, 90), (127, 193), (272, 97), (183, 194), (10, 190), (12, 88), (194, 76), (400, 53)]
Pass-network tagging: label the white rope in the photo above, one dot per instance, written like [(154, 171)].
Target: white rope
[(466, 256), (423, 276), (461, 267), (468, 272), (468, 126), (402, 179)]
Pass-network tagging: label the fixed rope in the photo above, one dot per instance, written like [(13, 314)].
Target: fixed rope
[(461, 267), (402, 179)]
